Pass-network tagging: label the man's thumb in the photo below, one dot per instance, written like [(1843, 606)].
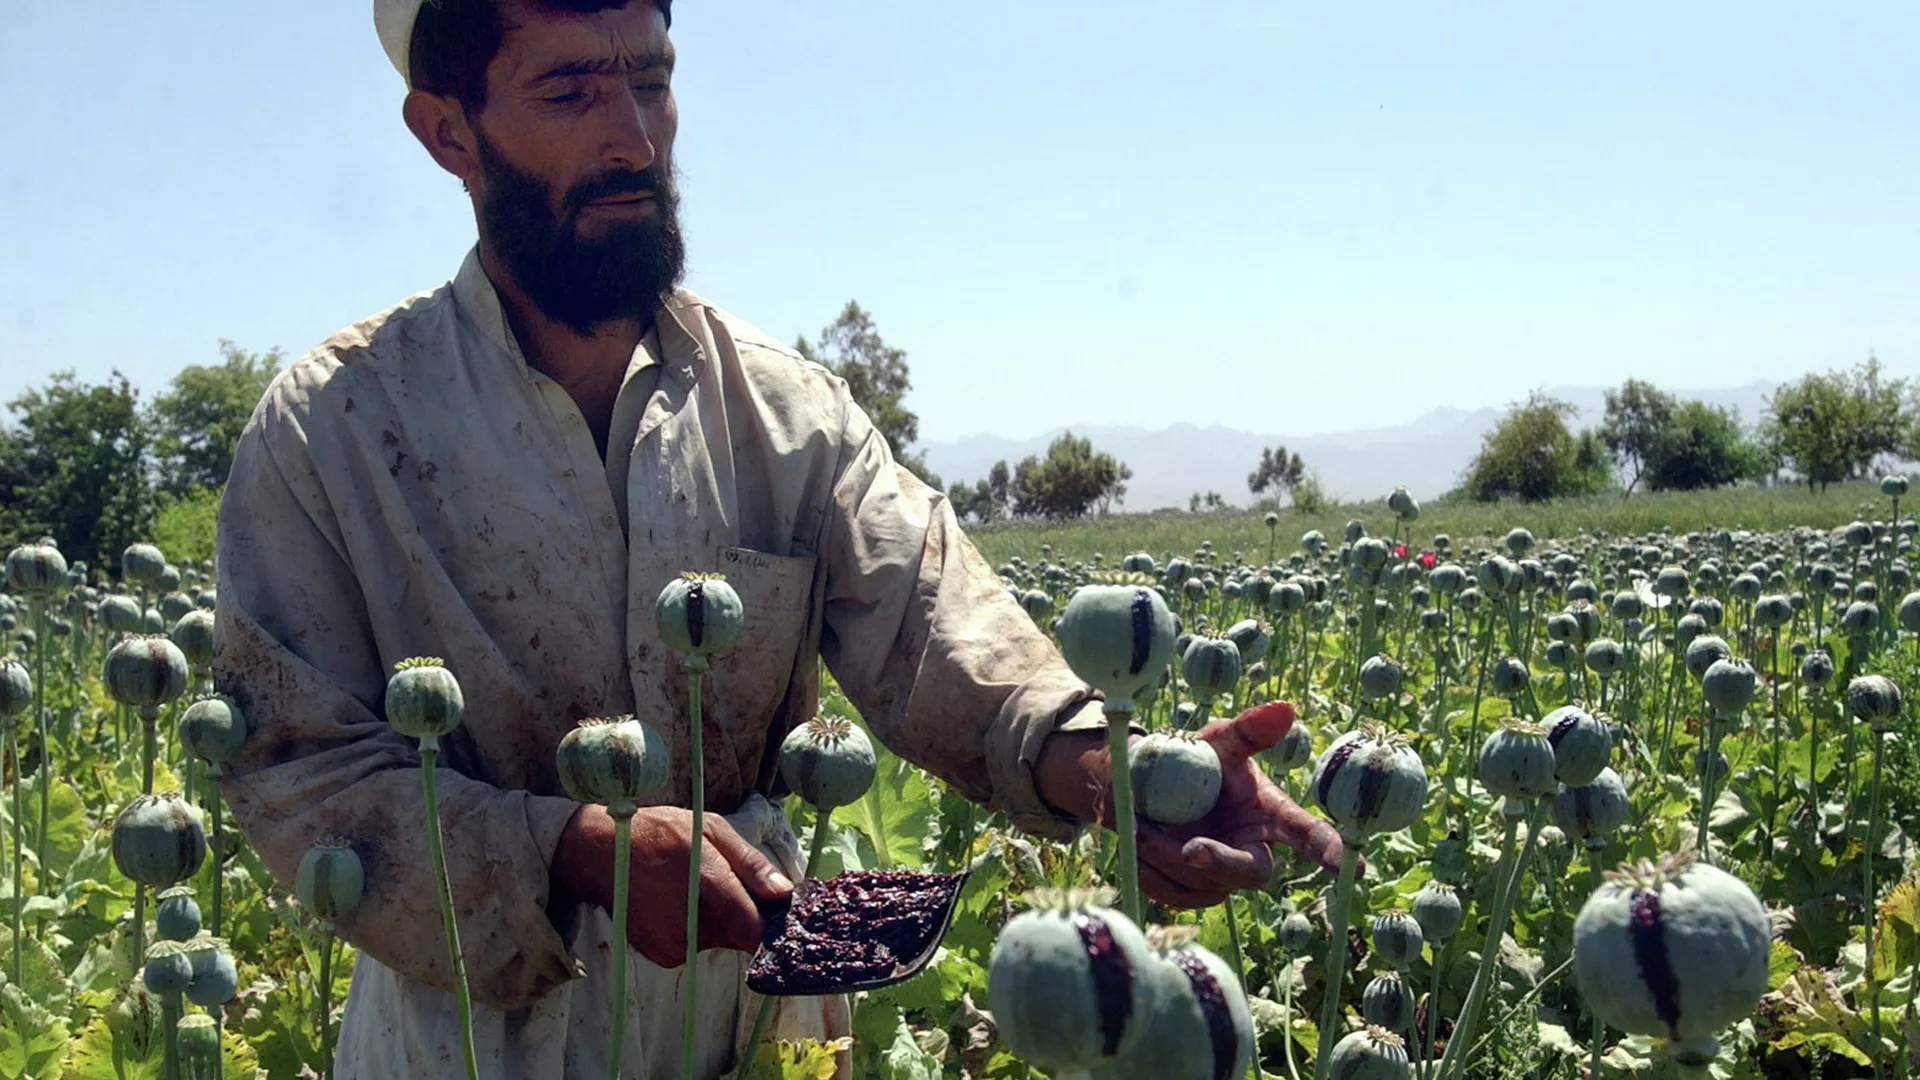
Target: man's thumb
[(763, 880)]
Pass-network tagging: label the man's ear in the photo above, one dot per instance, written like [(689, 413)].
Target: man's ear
[(440, 123)]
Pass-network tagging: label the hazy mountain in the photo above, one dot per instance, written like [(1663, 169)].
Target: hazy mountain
[(1170, 464)]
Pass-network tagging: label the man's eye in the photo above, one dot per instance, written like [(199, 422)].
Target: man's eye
[(650, 88), (569, 98)]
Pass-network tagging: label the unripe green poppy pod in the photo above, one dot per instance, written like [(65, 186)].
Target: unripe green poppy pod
[(698, 616), (1397, 938), (1436, 907), (1510, 676), (1606, 658), (1581, 744), (1370, 781), (1773, 611), (177, 918), (1211, 666), (1380, 677), (1372, 1053), (1065, 982), (16, 689), (213, 730), (423, 700), (36, 567), (1386, 1002), (1118, 639), (1592, 811), (1910, 613), (199, 1041), (120, 614), (1253, 638), (142, 563), (1516, 762), (193, 633), (215, 977), (1816, 669), (330, 880), (1894, 485), (1728, 686), (1861, 617), (1677, 949), (167, 970), (827, 761), (613, 762), (1200, 1027), (1176, 777), (145, 671), (1294, 749), (1703, 652), (1874, 699), (158, 841), (1296, 933)]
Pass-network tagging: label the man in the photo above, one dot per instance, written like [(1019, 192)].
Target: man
[(503, 472)]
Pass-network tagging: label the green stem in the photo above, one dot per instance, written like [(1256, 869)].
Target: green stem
[(1813, 764), (19, 849), (696, 668), (46, 743), (1873, 900), (1599, 1040), (150, 739), (1337, 917), (1286, 1043), (622, 869), (1118, 731), (429, 762), (1773, 811), (1233, 943), (324, 1014), (1709, 786), (170, 1010), (1441, 951), (1496, 929), (219, 853)]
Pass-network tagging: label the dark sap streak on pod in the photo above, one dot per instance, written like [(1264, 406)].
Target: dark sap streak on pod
[(1373, 788), (696, 613), (1213, 1006), (1650, 952), (1583, 804), (1112, 981), (1560, 729), (1340, 755), (1142, 630)]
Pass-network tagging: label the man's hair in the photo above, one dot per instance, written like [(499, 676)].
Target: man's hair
[(454, 41)]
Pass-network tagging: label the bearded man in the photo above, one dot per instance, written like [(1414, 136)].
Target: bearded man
[(503, 472)]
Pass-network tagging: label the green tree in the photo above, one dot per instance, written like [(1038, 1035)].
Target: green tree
[(1833, 426), (1702, 446), (197, 422), (1531, 455), (984, 500), (877, 377), (1278, 470), (73, 466), (1071, 481), (1638, 414)]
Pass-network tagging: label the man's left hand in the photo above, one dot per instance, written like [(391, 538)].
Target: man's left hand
[(1198, 865)]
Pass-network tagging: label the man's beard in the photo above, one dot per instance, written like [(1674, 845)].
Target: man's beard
[(625, 272)]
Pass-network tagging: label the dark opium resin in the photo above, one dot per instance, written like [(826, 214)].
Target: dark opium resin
[(856, 930)]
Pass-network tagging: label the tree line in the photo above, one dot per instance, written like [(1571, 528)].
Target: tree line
[(1823, 429), (94, 467)]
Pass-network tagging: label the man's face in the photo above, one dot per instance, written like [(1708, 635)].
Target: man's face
[(575, 181)]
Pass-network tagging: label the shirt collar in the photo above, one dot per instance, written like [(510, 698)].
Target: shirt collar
[(680, 349)]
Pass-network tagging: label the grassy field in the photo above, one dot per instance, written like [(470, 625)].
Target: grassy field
[(1173, 532)]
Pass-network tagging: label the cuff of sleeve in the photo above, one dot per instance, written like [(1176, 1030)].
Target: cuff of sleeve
[(547, 818), (1048, 703)]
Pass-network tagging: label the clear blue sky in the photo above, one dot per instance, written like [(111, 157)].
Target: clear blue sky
[(1275, 216)]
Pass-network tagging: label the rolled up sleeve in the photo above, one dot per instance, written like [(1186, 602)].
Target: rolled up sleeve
[(296, 649), (948, 670)]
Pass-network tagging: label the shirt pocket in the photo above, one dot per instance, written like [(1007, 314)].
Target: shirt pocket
[(750, 680)]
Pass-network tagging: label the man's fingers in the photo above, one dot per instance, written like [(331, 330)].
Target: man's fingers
[(1170, 892), (1203, 863), (1257, 729), (1316, 838), (762, 879)]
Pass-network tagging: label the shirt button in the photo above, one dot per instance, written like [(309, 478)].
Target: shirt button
[(608, 520)]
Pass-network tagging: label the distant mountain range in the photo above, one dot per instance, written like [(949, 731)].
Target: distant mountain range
[(1170, 464)]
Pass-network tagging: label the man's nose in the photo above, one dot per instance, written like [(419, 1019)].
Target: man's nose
[(628, 142)]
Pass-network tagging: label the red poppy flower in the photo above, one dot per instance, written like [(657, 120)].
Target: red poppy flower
[(1399, 551), (1428, 558)]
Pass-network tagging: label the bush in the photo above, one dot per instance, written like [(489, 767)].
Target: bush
[(1531, 455)]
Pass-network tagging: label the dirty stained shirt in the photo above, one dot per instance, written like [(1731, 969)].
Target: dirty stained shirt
[(412, 487)]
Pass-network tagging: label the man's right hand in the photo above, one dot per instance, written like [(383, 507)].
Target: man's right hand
[(733, 873)]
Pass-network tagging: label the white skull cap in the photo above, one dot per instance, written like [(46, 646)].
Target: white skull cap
[(393, 20)]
